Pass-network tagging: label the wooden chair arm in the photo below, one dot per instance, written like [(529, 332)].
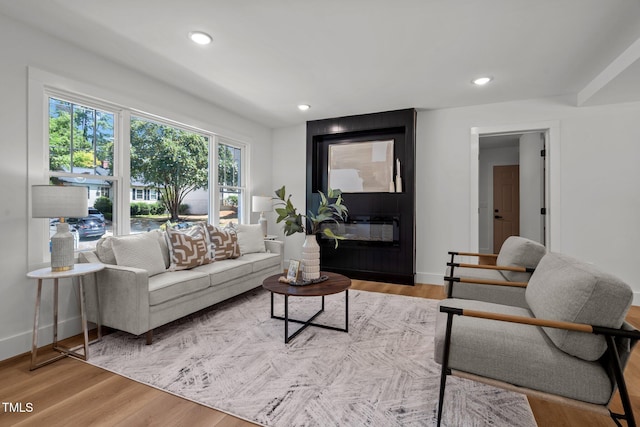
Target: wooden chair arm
[(473, 254), (486, 282), (493, 267), (570, 326)]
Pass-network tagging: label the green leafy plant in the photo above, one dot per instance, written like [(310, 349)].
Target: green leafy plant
[(331, 209)]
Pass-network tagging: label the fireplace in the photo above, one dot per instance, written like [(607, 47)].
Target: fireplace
[(367, 230), (360, 155)]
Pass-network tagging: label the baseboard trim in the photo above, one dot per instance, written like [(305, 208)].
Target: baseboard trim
[(21, 343), (430, 278)]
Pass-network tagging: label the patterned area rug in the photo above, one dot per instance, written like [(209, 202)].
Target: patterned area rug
[(232, 357)]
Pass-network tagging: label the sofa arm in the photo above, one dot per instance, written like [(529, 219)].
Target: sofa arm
[(123, 293), (276, 247)]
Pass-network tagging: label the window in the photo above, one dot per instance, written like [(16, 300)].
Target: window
[(83, 141), (231, 191), (81, 153), (170, 163)]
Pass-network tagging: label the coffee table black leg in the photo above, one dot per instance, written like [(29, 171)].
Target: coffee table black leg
[(286, 319), (346, 310)]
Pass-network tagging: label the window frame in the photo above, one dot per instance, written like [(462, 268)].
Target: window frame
[(244, 211), (42, 85)]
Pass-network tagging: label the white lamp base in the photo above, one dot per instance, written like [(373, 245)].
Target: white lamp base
[(263, 224), (62, 248)]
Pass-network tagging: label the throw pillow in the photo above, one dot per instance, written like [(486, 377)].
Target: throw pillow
[(139, 251), (250, 238), (189, 248), (104, 250), (225, 241)]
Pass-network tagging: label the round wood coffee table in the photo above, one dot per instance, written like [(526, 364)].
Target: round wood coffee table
[(336, 283)]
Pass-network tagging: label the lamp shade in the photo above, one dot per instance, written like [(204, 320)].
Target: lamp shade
[(57, 201), (261, 204)]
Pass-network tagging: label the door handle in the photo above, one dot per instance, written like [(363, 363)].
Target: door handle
[(497, 217)]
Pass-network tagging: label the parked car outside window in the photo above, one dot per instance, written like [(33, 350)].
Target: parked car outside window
[(88, 226), (96, 213)]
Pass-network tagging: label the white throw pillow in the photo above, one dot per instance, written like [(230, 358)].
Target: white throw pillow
[(139, 251), (250, 238)]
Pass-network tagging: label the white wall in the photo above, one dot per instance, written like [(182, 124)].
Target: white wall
[(23, 47), (597, 185)]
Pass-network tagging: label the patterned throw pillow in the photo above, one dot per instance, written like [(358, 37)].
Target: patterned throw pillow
[(188, 248), (224, 241)]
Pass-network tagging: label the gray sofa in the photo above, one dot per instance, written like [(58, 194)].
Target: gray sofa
[(137, 300)]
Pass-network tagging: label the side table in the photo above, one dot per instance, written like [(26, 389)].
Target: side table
[(77, 273)]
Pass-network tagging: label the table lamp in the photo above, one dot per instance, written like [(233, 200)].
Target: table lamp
[(57, 201), (262, 204)]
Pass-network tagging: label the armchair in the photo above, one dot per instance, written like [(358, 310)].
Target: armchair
[(504, 282), (571, 344)]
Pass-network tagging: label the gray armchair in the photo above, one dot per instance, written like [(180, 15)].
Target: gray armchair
[(503, 282), (570, 344)]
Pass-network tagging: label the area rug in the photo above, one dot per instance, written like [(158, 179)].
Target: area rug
[(233, 358)]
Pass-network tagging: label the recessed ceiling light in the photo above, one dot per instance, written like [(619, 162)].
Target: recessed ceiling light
[(304, 107), (481, 81), (200, 37)]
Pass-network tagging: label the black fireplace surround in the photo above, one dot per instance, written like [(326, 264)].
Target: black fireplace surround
[(379, 233)]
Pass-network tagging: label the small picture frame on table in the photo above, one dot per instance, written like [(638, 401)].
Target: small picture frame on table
[(292, 272)]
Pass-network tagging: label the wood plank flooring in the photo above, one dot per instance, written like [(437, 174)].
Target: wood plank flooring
[(71, 392)]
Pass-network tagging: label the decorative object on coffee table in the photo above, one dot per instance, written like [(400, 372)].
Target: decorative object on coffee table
[(331, 209), (57, 201)]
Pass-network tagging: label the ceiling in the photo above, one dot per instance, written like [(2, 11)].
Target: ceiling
[(348, 57)]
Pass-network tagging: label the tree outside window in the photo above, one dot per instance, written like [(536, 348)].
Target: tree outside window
[(172, 161)]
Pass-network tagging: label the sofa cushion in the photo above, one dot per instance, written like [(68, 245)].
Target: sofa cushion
[(519, 252), (566, 289), (140, 251), (174, 284), (225, 241), (517, 354), (189, 248), (223, 271), (261, 261), (250, 238)]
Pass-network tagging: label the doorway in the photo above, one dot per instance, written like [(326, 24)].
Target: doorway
[(509, 143), (506, 204)]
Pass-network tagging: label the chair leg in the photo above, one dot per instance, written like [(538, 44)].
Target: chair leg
[(622, 386), (445, 366), (149, 336)]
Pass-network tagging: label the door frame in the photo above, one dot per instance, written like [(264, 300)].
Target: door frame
[(551, 130)]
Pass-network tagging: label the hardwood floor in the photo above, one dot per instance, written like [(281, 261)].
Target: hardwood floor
[(71, 392)]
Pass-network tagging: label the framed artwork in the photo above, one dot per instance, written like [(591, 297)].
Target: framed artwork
[(293, 270), (361, 167)]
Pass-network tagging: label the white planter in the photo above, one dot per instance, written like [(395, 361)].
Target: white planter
[(310, 258)]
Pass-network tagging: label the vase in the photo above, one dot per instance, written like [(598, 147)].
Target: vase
[(310, 258)]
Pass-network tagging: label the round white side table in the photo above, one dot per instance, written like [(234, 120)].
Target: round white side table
[(77, 273)]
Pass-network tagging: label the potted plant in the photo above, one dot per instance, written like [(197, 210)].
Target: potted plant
[(331, 209)]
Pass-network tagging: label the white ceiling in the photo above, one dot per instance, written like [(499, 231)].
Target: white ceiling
[(348, 57)]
